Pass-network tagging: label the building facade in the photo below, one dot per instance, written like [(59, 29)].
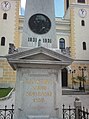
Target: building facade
[(71, 33), (9, 36)]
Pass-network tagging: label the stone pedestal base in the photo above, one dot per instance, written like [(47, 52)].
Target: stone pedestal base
[(40, 117)]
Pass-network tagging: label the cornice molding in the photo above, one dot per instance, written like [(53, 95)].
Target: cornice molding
[(39, 56)]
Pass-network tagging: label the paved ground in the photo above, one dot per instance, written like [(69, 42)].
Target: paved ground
[(69, 100), (66, 99), (8, 102)]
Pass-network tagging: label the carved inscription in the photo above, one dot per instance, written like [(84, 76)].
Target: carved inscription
[(39, 90)]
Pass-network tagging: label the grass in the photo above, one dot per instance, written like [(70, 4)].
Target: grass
[(4, 92)]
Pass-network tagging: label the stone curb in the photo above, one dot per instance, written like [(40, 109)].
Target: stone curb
[(6, 97), (66, 92)]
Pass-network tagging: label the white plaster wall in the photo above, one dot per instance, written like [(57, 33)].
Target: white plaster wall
[(7, 27), (81, 34)]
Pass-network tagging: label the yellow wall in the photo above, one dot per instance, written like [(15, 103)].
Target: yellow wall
[(75, 66), (16, 34), (8, 76)]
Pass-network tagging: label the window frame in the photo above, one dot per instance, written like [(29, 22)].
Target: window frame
[(62, 43), (3, 41), (81, 1), (84, 45), (82, 23), (5, 16)]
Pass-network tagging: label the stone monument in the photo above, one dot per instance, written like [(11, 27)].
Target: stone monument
[(38, 83), (38, 65), (39, 24)]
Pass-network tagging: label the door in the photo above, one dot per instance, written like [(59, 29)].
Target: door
[(64, 75)]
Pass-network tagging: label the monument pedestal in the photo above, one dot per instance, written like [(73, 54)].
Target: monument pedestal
[(38, 83), (39, 92)]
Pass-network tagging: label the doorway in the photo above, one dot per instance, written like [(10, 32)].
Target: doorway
[(64, 77)]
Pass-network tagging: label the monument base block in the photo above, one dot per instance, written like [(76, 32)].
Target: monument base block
[(38, 117)]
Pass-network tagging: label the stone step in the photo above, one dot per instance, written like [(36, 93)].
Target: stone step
[(74, 92)]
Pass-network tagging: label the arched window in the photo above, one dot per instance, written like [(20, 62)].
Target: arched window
[(62, 43), (83, 23), (81, 1), (3, 41), (84, 45), (5, 16)]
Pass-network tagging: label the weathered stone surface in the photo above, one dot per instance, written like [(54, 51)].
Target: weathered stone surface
[(38, 93), (38, 84)]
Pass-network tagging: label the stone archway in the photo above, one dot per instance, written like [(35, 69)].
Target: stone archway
[(64, 75)]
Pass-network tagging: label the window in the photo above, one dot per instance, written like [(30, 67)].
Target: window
[(81, 1), (39, 42), (83, 23), (67, 4), (3, 41), (5, 16), (84, 45), (62, 43)]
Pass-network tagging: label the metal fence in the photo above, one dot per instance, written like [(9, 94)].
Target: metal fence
[(68, 113), (7, 113), (71, 113), (83, 113)]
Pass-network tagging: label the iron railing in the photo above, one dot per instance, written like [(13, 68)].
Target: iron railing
[(68, 113), (7, 113), (83, 113)]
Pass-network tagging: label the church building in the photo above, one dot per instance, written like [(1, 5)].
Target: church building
[(71, 34)]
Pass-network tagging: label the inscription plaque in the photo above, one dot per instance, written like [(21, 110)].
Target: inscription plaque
[(36, 93)]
